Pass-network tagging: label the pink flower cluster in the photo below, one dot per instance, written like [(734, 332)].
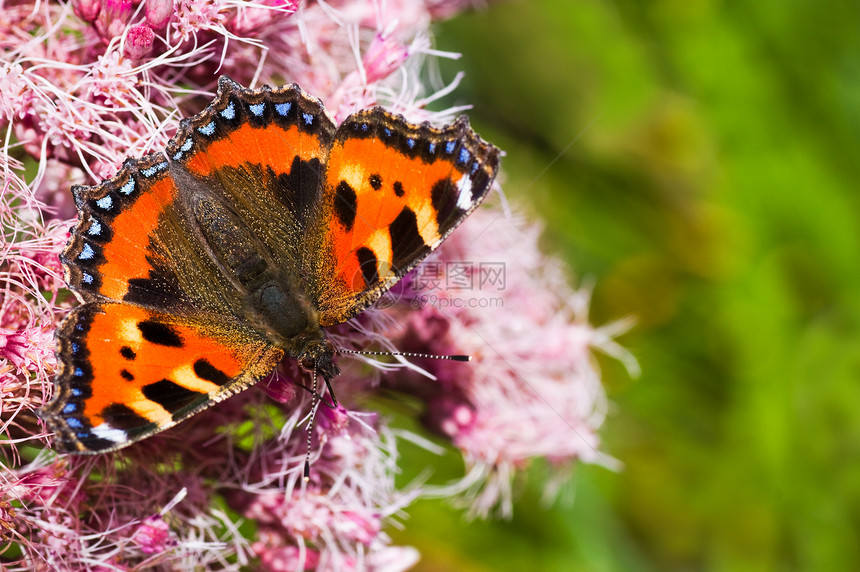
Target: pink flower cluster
[(532, 390), (83, 85)]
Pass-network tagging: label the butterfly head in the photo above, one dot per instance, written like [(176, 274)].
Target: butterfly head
[(319, 356)]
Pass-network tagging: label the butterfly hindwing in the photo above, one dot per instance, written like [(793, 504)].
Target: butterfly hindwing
[(127, 372), (393, 192)]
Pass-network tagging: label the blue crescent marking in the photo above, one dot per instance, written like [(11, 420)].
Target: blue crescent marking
[(86, 253), (154, 169), (186, 146), (106, 202), (449, 146), (69, 408), (95, 228), (229, 112), (128, 187), (308, 118), (207, 129), (464, 156), (257, 109), (283, 108), (74, 423)]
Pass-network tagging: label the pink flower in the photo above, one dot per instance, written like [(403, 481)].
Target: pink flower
[(112, 18), (193, 16), (27, 349), (87, 9), (531, 390), (280, 387), (158, 13), (112, 79), (42, 485), (383, 57), (138, 42), (277, 558), (15, 95), (153, 535), (66, 125)]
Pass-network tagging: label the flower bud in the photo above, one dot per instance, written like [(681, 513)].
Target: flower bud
[(139, 42), (158, 13)]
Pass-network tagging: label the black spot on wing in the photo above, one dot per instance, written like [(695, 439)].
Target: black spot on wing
[(153, 291), (300, 189), (127, 353), (160, 334), (126, 375), (345, 204), (406, 241), (205, 370), (121, 416), (375, 181), (444, 198), (398, 189), (160, 288), (172, 396), (368, 263)]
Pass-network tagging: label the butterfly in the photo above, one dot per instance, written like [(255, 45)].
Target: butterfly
[(261, 224)]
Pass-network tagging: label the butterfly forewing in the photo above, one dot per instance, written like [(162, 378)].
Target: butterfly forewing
[(393, 192), (262, 154)]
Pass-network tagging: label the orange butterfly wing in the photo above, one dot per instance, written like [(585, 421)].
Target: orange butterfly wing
[(128, 372), (393, 192)]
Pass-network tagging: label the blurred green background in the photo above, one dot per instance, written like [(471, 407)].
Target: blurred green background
[(706, 179)]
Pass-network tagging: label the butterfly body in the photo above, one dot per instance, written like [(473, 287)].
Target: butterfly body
[(261, 224), (270, 296)]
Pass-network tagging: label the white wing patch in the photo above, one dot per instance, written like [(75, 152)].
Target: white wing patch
[(105, 431), (464, 200)]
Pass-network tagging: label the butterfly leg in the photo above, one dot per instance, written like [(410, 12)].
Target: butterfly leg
[(333, 404), (331, 393)]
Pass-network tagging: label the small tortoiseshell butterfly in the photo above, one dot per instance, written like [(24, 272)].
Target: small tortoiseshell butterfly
[(262, 223)]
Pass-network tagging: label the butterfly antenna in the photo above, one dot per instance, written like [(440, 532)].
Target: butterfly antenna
[(314, 401), (406, 354)]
